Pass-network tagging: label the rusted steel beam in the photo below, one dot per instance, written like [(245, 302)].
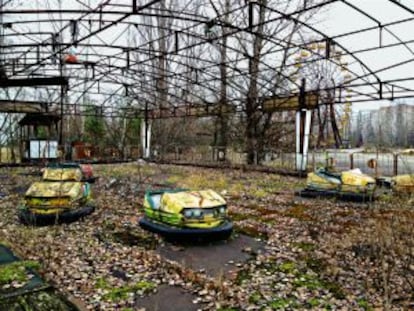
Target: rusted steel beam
[(18, 106), (33, 82)]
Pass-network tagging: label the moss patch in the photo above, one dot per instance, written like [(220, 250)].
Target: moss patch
[(305, 246), (242, 276), (313, 302), (364, 305), (287, 267), (120, 293), (311, 282), (255, 297), (16, 271), (281, 303)]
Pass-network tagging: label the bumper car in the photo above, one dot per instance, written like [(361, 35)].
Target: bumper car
[(183, 215), (86, 169), (21, 288), (60, 197), (403, 184), (350, 185)]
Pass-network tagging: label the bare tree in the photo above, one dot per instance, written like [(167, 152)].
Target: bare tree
[(269, 48)]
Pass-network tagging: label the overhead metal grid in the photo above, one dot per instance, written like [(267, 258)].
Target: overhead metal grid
[(163, 57)]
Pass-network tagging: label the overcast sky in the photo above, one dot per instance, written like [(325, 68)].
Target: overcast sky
[(341, 19)]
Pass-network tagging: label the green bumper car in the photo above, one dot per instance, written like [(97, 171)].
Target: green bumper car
[(186, 215), (60, 198)]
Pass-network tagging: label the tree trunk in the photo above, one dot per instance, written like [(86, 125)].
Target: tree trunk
[(222, 120), (162, 82), (223, 117), (335, 129), (252, 113)]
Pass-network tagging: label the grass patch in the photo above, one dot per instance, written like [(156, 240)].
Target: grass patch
[(174, 179), (236, 188), (258, 193), (216, 182)]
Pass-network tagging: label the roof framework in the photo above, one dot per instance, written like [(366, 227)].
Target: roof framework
[(120, 45)]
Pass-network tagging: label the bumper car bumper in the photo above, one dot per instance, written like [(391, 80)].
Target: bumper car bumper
[(29, 218), (344, 196), (220, 232)]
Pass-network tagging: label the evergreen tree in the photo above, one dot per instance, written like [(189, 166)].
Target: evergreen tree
[(94, 125)]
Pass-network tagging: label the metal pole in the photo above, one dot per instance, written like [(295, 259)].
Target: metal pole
[(2, 57), (62, 94), (300, 125), (395, 171), (146, 128)]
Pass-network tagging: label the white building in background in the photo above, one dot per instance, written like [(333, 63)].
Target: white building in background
[(391, 126)]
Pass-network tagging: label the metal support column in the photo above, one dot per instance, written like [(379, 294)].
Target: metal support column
[(303, 125), (146, 135)]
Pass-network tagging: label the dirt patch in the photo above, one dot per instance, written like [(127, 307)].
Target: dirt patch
[(127, 236), (170, 298)]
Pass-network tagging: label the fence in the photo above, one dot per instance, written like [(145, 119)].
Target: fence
[(385, 164)]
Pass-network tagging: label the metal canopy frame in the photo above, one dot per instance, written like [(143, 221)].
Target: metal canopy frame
[(118, 54)]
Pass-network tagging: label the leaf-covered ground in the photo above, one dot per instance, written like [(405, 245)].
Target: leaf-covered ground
[(318, 254)]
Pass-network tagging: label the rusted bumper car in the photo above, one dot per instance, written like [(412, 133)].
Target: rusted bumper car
[(351, 185), (86, 169), (60, 198)]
